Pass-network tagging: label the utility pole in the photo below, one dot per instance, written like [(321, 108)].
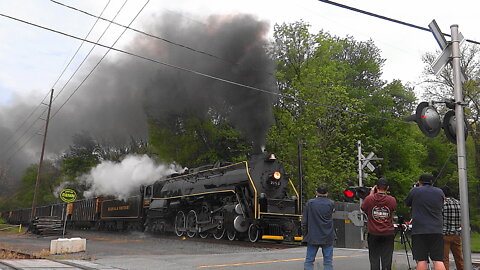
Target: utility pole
[(37, 182), (300, 173), (461, 151)]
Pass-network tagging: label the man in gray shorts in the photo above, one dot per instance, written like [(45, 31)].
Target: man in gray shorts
[(427, 223)]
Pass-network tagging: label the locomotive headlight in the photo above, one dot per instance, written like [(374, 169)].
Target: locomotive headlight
[(276, 175)]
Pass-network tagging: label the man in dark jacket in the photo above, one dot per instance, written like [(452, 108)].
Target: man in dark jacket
[(427, 230), (317, 224), (379, 208)]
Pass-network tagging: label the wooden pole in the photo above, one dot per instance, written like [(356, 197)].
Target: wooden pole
[(37, 182)]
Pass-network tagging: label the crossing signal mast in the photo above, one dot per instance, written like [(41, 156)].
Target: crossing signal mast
[(429, 122)]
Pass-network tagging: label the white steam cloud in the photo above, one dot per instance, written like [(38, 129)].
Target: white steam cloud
[(122, 179)]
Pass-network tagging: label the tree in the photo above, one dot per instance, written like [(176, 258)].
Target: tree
[(319, 77), (332, 97), (191, 141), (49, 180)]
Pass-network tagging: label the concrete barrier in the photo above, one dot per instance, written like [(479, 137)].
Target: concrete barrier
[(67, 245)]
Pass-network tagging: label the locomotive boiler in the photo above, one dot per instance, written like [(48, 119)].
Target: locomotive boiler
[(253, 199)]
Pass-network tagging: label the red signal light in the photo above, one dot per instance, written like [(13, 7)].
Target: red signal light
[(349, 193)]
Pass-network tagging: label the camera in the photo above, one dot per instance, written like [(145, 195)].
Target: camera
[(399, 219)]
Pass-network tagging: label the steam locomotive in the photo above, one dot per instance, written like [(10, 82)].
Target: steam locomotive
[(251, 200)]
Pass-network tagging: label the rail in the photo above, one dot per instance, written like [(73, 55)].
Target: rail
[(4, 227)]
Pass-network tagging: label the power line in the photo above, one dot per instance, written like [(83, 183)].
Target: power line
[(101, 59), (90, 73), (190, 71), (53, 86), (147, 34), (91, 50), (197, 72), (387, 18), (72, 77), (24, 133)]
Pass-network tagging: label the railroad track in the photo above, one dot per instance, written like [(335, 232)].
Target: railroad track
[(17, 260)]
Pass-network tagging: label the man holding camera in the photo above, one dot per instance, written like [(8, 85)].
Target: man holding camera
[(379, 208), (426, 202)]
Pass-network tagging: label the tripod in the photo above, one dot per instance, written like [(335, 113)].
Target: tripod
[(402, 228)]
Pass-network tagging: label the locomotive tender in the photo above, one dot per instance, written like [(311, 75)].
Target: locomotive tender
[(249, 199)]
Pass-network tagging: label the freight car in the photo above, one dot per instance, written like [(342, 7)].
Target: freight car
[(253, 199)]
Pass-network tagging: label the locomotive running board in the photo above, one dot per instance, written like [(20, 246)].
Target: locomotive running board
[(272, 237), (280, 214), (278, 237)]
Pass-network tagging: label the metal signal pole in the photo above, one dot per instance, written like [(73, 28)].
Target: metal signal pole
[(37, 182), (461, 151)]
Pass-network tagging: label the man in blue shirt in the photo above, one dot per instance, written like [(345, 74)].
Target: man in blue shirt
[(427, 223), (317, 224)]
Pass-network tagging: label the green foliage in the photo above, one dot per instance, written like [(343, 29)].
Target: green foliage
[(49, 180), (192, 142), (329, 77), (334, 84), (475, 236)]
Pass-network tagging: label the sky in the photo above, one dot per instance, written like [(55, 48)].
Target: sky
[(32, 59)]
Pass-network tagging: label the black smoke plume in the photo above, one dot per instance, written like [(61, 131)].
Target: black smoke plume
[(124, 92)]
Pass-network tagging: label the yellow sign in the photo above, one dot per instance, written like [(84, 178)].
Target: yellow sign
[(68, 195)]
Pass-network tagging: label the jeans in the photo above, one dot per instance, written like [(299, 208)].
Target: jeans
[(380, 251), (327, 251)]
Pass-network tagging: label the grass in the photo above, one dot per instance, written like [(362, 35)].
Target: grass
[(11, 228), (475, 241)]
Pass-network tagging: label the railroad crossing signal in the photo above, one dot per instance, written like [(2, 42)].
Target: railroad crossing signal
[(446, 56), (453, 58), (427, 118), (430, 122), (366, 161)]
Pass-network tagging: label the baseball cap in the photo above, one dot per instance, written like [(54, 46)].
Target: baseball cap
[(322, 190), (382, 182), (426, 178)]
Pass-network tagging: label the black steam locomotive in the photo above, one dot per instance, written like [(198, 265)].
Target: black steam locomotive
[(252, 199)]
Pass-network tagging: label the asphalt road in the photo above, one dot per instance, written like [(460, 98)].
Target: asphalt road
[(143, 251)]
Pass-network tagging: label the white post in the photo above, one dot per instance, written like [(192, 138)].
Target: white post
[(360, 182)]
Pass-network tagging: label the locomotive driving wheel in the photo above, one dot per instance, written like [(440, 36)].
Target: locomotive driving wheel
[(219, 232), (191, 224), (231, 234), (180, 223), (204, 215), (253, 233)]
